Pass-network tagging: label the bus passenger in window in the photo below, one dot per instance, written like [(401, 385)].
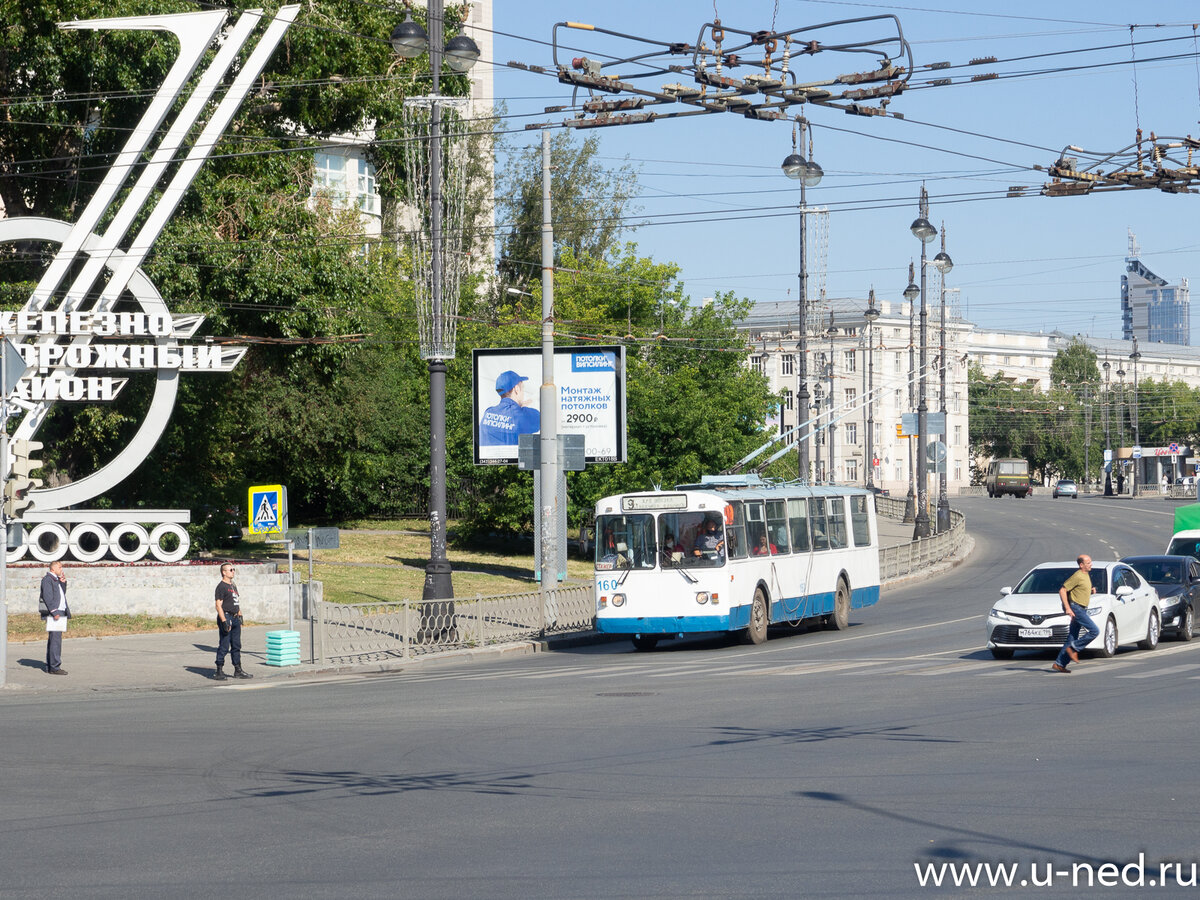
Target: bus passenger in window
[(764, 547), (709, 542), (670, 547)]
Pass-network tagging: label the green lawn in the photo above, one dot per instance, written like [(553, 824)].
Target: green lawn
[(368, 567)]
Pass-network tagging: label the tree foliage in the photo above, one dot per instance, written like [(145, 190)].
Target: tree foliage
[(1062, 431), (592, 205)]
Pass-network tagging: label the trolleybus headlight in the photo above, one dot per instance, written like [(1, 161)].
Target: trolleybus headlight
[(618, 600), (701, 596)]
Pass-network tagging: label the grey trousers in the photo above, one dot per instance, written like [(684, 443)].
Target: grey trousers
[(53, 649)]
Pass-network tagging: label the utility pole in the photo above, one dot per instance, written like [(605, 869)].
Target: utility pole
[(548, 402)]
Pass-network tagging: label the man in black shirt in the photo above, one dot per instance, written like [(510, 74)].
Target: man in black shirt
[(229, 625)]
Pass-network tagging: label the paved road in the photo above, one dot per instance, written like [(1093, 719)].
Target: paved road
[(819, 764)]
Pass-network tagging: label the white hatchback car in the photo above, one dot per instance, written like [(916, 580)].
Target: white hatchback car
[(1030, 616)]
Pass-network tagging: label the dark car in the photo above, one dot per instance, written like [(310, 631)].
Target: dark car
[(1177, 580)]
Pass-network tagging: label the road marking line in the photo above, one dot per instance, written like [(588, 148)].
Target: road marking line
[(1169, 670)]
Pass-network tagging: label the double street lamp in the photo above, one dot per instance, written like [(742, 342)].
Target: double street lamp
[(409, 40), (923, 231), (809, 174), (943, 264), (871, 315)]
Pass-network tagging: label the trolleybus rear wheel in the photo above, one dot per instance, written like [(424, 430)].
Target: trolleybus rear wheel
[(839, 619)]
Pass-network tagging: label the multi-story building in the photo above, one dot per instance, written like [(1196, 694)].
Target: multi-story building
[(861, 377), (345, 178), (1152, 310)]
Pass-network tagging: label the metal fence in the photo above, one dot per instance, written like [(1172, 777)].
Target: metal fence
[(368, 632), (896, 562)]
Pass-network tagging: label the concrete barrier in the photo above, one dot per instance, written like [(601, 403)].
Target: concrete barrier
[(180, 589)]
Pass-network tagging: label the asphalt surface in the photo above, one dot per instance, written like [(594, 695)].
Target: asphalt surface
[(821, 763)]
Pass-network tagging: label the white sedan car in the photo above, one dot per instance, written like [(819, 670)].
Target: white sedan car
[(1030, 616)]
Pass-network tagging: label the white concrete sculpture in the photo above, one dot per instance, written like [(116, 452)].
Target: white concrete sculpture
[(71, 330)]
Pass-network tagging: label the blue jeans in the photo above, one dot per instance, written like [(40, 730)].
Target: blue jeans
[(1074, 640), (230, 642)]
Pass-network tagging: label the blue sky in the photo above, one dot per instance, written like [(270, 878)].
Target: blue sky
[(714, 199)]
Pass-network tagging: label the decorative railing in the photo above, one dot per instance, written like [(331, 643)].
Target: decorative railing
[(896, 562), (367, 632)]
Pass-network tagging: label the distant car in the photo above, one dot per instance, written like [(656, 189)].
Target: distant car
[(1185, 542), (1030, 616), (1065, 487), (1177, 580)]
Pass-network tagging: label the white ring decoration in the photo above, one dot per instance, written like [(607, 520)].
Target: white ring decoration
[(88, 556), (162, 531), (47, 529), (119, 552)]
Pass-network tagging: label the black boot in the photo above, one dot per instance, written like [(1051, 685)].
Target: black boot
[(220, 674), (238, 672)]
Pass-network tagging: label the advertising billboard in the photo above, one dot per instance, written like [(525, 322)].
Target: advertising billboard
[(506, 387)]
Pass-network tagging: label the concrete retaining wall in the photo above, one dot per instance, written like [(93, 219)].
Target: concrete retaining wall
[(181, 589)]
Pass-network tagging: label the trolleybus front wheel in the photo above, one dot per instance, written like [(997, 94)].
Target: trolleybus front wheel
[(642, 642), (756, 632)]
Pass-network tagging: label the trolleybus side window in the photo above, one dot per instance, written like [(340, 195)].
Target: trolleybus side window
[(626, 542), (735, 534), (777, 529), (798, 523), (859, 521), (836, 507), (816, 518), (756, 525)]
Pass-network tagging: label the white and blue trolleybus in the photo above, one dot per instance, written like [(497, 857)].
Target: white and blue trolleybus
[(733, 553)]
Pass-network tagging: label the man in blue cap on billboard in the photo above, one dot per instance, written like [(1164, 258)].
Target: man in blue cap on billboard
[(502, 423)]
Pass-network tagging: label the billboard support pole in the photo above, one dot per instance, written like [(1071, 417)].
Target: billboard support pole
[(548, 471)]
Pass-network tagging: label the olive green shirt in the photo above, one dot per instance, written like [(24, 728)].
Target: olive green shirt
[(1079, 588)]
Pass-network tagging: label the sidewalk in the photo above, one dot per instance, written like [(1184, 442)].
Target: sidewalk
[(184, 661)]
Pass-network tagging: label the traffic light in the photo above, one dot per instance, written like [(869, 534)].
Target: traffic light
[(18, 485), (899, 429)]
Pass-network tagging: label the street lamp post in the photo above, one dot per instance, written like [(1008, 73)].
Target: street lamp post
[(1107, 439), (818, 399), (1135, 356), (871, 315), (808, 173), (409, 40), (943, 264), (829, 426), (910, 294), (1120, 416), (924, 231)]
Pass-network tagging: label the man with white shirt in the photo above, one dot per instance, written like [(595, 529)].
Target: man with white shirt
[(53, 607)]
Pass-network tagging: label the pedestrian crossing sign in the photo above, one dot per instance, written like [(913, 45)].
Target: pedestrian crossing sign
[(268, 509)]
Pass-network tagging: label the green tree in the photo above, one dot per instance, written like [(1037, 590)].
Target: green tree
[(329, 319), (592, 205)]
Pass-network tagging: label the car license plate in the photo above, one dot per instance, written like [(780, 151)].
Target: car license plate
[(1035, 632)]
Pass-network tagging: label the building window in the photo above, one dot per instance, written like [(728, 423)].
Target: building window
[(958, 470), (851, 396), (852, 470), (786, 367), (898, 363), (850, 360), (851, 433), (957, 435), (957, 397), (758, 364), (346, 180), (789, 401)]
